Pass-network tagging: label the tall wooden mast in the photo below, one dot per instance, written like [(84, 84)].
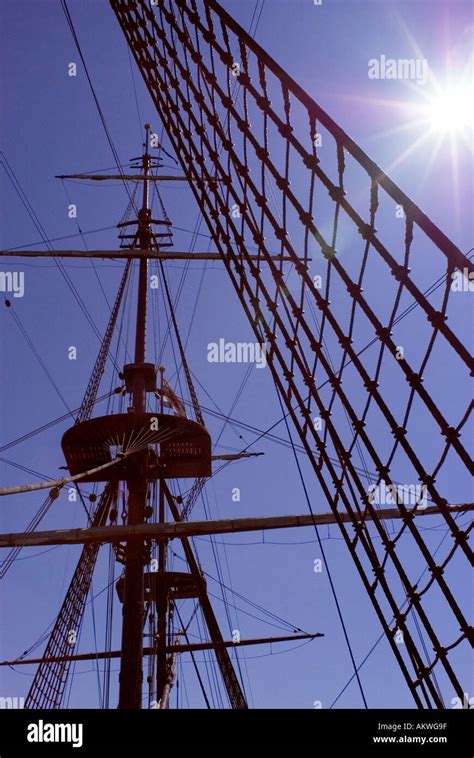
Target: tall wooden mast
[(131, 666)]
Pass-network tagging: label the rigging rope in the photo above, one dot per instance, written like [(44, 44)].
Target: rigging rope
[(90, 395), (37, 518), (96, 101), (39, 227), (192, 391), (326, 565), (50, 680)]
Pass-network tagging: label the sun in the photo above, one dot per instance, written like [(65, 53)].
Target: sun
[(434, 122), (450, 111)]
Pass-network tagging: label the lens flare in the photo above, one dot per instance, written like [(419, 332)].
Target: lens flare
[(451, 111)]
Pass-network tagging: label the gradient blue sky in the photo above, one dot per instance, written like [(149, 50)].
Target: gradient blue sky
[(49, 125)]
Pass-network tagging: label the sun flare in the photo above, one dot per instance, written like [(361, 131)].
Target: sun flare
[(451, 111)]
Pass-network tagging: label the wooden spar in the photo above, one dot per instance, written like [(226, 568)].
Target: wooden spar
[(176, 648), (130, 253), (179, 529), (59, 482), (121, 177)]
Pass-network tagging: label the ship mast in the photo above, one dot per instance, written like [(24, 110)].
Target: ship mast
[(184, 452), (131, 668)]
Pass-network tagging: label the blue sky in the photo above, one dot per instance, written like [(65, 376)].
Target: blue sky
[(49, 126)]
